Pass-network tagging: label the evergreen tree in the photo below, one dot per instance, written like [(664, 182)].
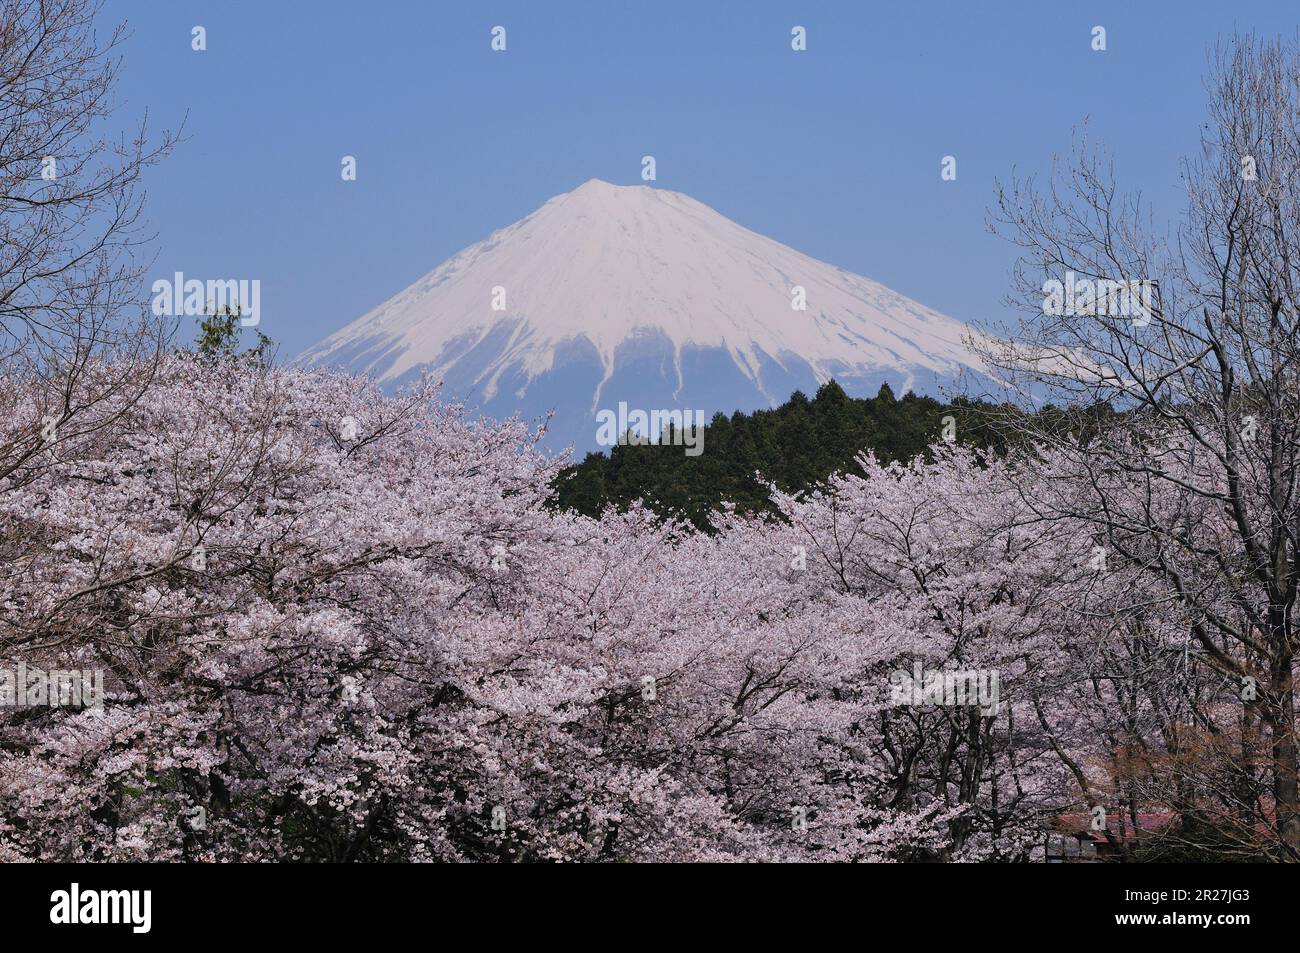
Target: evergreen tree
[(796, 446)]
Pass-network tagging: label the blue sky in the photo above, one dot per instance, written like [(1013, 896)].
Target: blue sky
[(835, 151)]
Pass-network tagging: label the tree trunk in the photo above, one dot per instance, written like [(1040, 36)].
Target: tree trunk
[(1281, 717)]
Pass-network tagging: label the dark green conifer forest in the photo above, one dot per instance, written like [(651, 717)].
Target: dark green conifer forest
[(795, 446)]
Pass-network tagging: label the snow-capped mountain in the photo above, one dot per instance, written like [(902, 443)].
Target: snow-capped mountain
[(632, 294)]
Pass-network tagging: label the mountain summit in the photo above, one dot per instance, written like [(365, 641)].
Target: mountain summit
[(612, 294)]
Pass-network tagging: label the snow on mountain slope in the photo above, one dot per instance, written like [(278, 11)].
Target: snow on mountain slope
[(630, 293)]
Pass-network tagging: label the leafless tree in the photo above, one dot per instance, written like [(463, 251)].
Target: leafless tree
[(70, 229), (1193, 480)]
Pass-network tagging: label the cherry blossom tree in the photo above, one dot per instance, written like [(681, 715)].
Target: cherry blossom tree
[(339, 626)]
